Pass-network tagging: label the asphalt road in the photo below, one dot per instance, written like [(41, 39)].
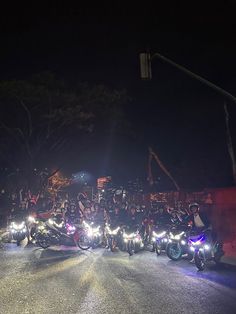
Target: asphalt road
[(33, 280)]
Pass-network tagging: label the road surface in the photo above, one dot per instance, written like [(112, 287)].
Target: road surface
[(56, 280)]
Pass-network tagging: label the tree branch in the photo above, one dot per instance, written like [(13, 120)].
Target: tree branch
[(29, 117)]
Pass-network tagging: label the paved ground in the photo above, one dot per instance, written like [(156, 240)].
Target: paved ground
[(54, 281)]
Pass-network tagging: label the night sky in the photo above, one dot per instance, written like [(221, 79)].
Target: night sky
[(179, 117)]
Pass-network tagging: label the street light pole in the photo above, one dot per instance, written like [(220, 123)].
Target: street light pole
[(146, 73)]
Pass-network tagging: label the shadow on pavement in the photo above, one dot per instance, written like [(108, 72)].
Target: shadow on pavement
[(45, 257), (221, 274)]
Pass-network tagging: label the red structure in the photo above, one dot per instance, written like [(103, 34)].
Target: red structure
[(219, 204)]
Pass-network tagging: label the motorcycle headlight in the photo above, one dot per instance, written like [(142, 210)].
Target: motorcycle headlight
[(196, 243), (207, 247), (18, 226), (159, 235), (89, 233), (50, 221), (96, 230), (108, 230), (41, 227), (129, 236), (70, 227), (115, 231), (31, 219), (176, 236), (183, 242), (60, 225), (86, 224)]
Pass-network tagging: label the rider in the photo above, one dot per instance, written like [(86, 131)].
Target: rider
[(200, 222), (116, 217), (199, 219), (98, 215), (72, 214), (133, 218)]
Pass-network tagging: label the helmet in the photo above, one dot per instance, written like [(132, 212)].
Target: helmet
[(193, 205)]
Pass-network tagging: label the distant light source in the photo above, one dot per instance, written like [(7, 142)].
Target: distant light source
[(145, 66), (81, 177)]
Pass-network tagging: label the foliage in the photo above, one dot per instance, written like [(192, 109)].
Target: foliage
[(41, 116)]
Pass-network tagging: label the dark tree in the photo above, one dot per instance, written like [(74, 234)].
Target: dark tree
[(41, 116)]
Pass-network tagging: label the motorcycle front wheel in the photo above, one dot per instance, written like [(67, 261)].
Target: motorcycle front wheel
[(174, 251), (219, 253), (199, 259), (130, 247), (137, 247), (158, 248), (43, 243), (83, 242), (112, 244)]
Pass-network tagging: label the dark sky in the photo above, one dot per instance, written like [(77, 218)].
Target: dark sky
[(182, 119)]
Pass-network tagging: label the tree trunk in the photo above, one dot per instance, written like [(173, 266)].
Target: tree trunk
[(230, 143), (163, 168)]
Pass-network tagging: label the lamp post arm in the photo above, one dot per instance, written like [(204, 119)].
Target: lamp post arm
[(197, 77)]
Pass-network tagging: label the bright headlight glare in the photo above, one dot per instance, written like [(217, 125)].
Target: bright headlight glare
[(31, 219), (129, 236), (115, 231), (59, 225), (159, 235), (177, 236), (18, 227), (86, 224), (207, 247), (183, 242), (96, 230), (196, 243), (50, 221), (192, 248), (89, 233)]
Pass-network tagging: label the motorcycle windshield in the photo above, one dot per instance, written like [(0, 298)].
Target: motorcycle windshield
[(197, 238)]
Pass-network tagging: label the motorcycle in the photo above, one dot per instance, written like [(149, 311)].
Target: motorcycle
[(94, 234), (50, 232), (205, 250), (18, 229), (159, 239), (113, 237), (178, 242), (133, 241)]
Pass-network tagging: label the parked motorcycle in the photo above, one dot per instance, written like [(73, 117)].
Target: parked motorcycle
[(205, 250), (18, 229), (49, 233), (178, 242), (159, 239), (94, 234), (113, 237), (133, 241)]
